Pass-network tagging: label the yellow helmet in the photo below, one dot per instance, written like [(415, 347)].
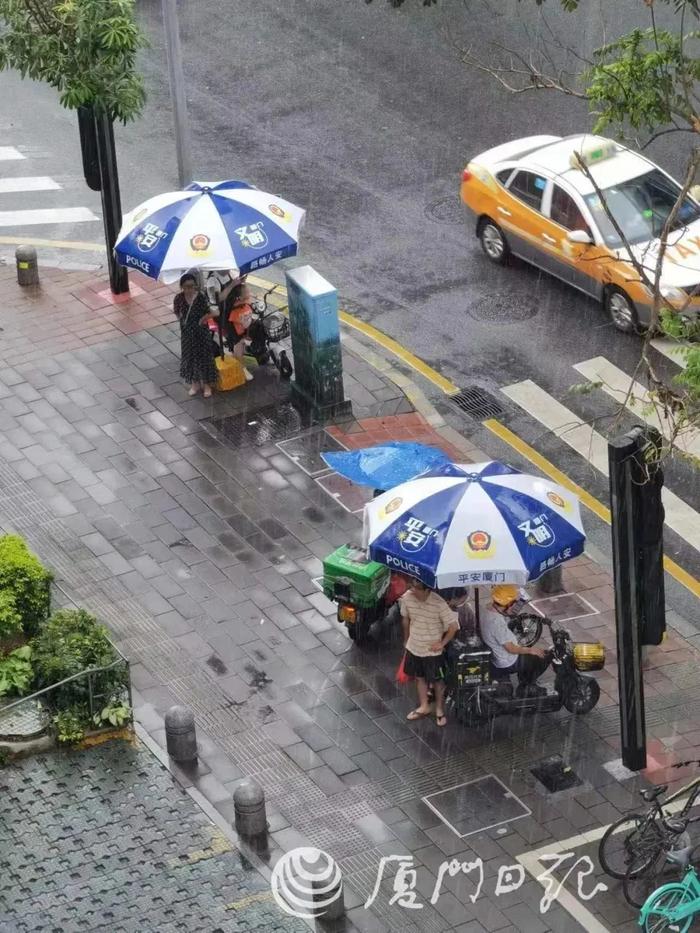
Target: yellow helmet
[(505, 594)]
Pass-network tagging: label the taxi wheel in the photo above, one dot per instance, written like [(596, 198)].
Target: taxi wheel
[(621, 310), (493, 241)]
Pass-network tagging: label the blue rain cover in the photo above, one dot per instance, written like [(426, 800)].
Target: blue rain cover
[(386, 465)]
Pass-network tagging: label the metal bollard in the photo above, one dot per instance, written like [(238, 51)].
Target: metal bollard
[(180, 734), (333, 898), (27, 265), (551, 581), (249, 809)]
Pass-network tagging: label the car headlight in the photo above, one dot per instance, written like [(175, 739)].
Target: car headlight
[(673, 294)]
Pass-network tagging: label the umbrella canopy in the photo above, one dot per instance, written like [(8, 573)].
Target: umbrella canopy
[(471, 524), (216, 225), (386, 465)]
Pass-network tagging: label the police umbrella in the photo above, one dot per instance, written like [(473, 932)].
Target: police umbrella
[(476, 524), (209, 225)]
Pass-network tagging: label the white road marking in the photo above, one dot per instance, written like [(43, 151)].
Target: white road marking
[(571, 904), (617, 383), (58, 215), (28, 183), (9, 153), (671, 349), (591, 445)]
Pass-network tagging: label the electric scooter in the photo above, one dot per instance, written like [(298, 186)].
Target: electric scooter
[(268, 327), (474, 693)]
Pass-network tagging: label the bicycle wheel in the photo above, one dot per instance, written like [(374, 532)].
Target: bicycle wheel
[(638, 885), (622, 839), (656, 911), (527, 628)]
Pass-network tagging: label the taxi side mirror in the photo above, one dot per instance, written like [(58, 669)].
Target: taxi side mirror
[(579, 236), (694, 192)]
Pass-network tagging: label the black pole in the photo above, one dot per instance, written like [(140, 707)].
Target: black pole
[(622, 453), (111, 200)]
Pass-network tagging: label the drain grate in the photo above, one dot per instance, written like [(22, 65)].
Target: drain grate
[(555, 775), (268, 425), (476, 402)]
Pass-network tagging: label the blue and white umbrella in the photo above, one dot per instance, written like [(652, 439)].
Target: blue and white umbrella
[(209, 225), (471, 524)]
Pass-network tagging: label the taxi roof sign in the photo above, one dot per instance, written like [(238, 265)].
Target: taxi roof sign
[(595, 150)]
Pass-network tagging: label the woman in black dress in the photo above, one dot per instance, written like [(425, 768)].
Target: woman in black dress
[(197, 352)]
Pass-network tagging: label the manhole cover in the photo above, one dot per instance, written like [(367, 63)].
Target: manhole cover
[(555, 774), (24, 721), (476, 402), (447, 210), (477, 805), (352, 497), (565, 608), (266, 425), (502, 309), (306, 451)]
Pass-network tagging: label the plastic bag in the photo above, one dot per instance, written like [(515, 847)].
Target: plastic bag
[(401, 676)]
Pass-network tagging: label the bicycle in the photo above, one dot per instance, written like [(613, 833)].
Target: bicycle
[(667, 858), (673, 906), (630, 845)]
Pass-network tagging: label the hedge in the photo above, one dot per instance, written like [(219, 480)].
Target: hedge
[(24, 579)]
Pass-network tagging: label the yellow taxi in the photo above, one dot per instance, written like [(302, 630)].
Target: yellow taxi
[(532, 199)]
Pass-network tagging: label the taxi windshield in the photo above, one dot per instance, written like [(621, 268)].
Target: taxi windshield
[(641, 207)]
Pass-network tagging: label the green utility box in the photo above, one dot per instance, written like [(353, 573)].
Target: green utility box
[(348, 576)]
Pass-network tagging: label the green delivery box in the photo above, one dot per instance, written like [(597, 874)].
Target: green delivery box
[(349, 576)]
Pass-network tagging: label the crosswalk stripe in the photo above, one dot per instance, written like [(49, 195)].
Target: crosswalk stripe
[(618, 385), (57, 215), (28, 183), (591, 445), (8, 153), (671, 349)]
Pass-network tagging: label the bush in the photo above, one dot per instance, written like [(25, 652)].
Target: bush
[(70, 642), (117, 716), (69, 726), (10, 619), (16, 671), (23, 577)]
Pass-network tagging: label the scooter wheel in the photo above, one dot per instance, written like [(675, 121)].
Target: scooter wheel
[(285, 366), (527, 628), (581, 695), (358, 633)]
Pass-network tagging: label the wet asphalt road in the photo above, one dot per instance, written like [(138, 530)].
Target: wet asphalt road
[(366, 116)]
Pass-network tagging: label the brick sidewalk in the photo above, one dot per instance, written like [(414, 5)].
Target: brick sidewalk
[(196, 530)]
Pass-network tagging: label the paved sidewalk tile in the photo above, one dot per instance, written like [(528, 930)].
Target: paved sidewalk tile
[(196, 533)]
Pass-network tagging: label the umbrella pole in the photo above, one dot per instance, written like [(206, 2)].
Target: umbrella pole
[(476, 604), (221, 334)]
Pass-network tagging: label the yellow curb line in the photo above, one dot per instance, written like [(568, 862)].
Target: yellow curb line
[(449, 388), (56, 244)]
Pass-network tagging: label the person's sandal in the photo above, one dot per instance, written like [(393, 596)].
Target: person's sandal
[(193, 391), (441, 720), (417, 714), (206, 393)]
